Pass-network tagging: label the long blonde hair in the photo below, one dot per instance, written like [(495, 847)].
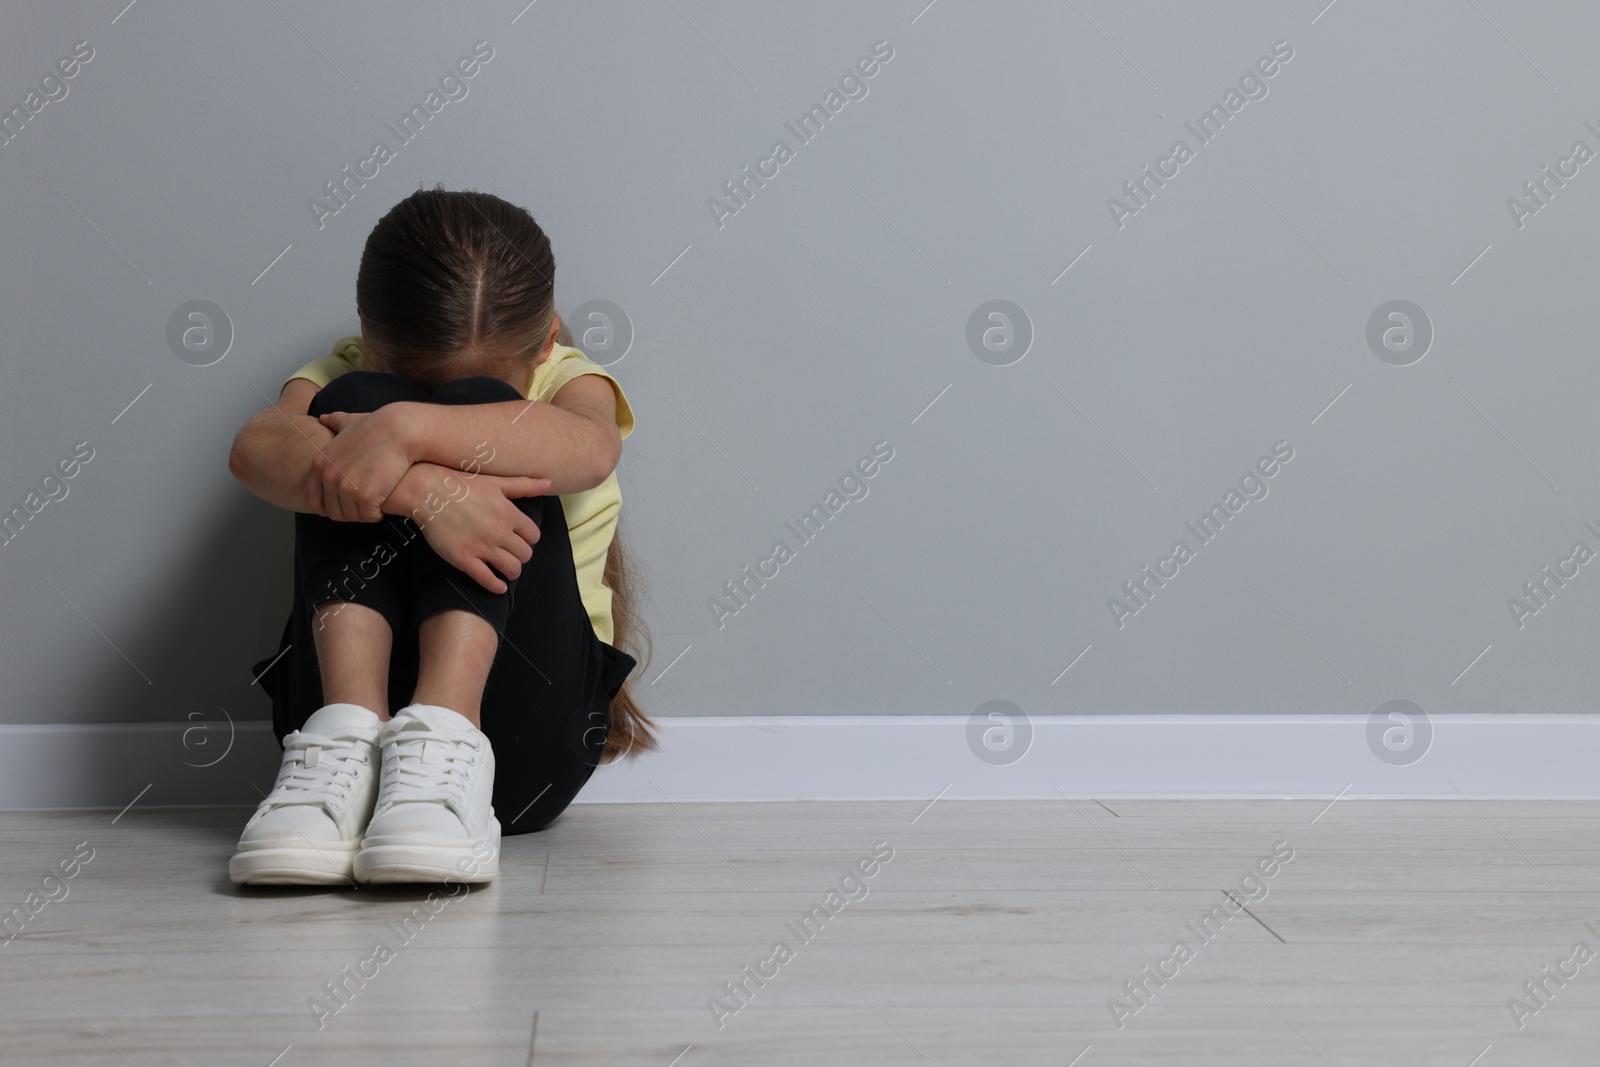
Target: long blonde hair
[(632, 731)]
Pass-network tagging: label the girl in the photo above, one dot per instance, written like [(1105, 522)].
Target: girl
[(452, 471)]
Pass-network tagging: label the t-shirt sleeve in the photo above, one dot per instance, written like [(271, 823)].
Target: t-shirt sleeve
[(576, 366), (347, 355)]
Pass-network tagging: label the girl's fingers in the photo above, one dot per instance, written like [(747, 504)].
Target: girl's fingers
[(351, 504), (527, 532), (350, 507), (519, 549), (479, 572), (506, 563), (516, 488)]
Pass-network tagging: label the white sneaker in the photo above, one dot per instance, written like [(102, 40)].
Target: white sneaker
[(308, 829), (434, 820)]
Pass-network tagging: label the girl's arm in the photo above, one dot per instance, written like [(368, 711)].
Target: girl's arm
[(470, 520), (273, 453), (288, 458), (572, 441), (281, 455)]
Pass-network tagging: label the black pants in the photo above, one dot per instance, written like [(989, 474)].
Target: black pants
[(547, 705)]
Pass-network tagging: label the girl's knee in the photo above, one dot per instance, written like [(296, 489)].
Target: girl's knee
[(364, 391)]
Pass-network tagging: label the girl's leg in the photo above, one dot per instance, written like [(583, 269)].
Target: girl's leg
[(457, 622), (456, 649), (547, 703), (353, 642), (526, 664), (548, 681), (350, 582), (435, 817), (379, 619), (329, 687)]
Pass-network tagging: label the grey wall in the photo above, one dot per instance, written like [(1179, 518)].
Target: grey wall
[(1220, 319)]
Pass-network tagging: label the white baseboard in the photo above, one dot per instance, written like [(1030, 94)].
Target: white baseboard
[(881, 758)]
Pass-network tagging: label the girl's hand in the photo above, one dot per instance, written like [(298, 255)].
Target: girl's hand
[(471, 522), (355, 472)]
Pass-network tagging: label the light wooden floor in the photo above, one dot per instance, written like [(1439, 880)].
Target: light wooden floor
[(994, 936)]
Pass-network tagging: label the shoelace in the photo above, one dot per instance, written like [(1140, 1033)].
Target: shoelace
[(323, 770), (428, 768)]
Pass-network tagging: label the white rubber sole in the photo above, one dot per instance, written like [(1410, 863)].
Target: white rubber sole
[(331, 864), (393, 860)]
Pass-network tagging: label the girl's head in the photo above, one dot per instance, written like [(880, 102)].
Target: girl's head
[(457, 285)]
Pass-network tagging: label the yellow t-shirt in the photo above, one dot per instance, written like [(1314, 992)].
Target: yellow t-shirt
[(591, 515)]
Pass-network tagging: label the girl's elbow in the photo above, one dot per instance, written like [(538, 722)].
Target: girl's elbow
[(607, 454), (246, 460), (600, 470), (238, 462)]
